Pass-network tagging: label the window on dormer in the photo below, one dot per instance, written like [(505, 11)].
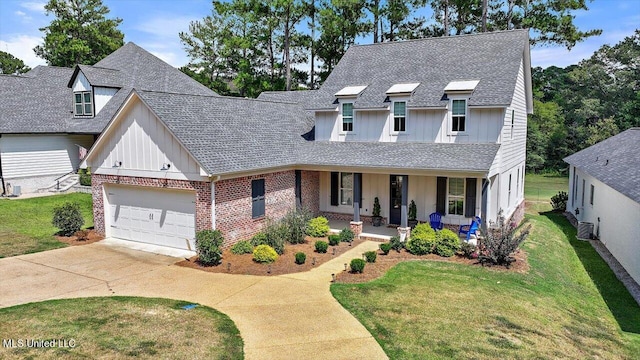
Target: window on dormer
[(83, 106), (399, 116), (347, 117), (458, 115)]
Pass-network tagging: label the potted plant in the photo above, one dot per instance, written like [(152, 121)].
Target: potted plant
[(376, 219), (413, 211)]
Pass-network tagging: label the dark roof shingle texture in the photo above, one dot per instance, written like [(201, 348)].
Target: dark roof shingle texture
[(613, 161)]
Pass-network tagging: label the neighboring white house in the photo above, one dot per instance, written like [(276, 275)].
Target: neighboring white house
[(49, 113), (440, 121), (604, 189)]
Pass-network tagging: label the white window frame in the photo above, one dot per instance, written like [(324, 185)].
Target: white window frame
[(454, 197), (341, 189), (83, 103), (392, 116), (466, 115), (353, 118), (513, 115)]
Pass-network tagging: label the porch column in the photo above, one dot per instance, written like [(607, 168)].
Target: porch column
[(403, 207), (485, 205), (356, 224)]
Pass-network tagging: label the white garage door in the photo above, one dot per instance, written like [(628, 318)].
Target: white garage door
[(155, 216)]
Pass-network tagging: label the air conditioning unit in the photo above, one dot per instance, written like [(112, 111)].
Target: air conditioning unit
[(585, 230)]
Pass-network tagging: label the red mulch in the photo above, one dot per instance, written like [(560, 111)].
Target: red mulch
[(82, 237), (244, 264)]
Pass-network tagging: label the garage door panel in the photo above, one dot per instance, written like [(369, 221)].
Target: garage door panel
[(156, 216)]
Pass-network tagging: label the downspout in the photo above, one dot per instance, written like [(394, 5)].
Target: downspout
[(4, 189)]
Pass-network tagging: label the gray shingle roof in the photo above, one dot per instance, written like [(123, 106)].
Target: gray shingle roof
[(614, 161), (493, 58), (40, 101), (298, 96), (228, 135)]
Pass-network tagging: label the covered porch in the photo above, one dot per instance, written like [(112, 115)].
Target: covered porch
[(381, 233)]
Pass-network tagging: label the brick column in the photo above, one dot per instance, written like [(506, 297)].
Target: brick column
[(356, 227)]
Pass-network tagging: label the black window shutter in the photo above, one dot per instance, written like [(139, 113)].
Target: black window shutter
[(470, 198), (334, 189), (360, 187), (257, 198), (441, 196), (298, 189)]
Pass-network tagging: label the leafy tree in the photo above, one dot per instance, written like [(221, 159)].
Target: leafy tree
[(80, 33), (10, 64)]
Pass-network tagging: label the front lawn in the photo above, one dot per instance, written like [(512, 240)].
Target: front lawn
[(119, 327), (25, 224), (569, 305)]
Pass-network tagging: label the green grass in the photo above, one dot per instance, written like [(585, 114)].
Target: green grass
[(25, 224), (569, 305), (539, 187), (121, 327)]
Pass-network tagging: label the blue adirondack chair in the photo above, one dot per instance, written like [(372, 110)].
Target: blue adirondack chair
[(471, 228), (435, 220)]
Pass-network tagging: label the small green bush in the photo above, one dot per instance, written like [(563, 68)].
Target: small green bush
[(334, 240), (385, 248), (85, 177), (422, 241), (274, 235), (296, 222), (466, 250), (321, 246), (347, 235), (242, 247), (209, 246), (68, 218), (301, 258), (559, 201), (357, 266), (370, 256), (318, 227), (447, 243), (413, 211), (264, 254), (396, 244)]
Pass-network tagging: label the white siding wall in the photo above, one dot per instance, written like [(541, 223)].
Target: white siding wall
[(102, 95), (40, 155), (143, 145), (81, 83), (619, 216)]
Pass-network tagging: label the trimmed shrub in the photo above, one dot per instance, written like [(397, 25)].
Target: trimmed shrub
[(318, 227), (264, 254), (422, 241), (274, 235), (296, 223), (321, 246), (413, 211), (467, 250), (396, 244), (499, 244), (301, 258), (347, 235), (208, 246), (559, 201), (334, 240), (242, 247), (447, 243), (385, 248), (370, 256), (85, 177), (68, 218), (357, 266)]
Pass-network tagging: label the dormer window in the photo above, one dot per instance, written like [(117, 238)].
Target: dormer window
[(399, 116), (347, 117), (83, 106), (458, 115)]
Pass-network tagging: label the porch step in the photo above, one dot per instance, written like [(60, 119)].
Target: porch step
[(63, 184)]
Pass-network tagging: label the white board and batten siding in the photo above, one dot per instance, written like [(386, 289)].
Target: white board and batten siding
[(81, 83), (40, 155), (143, 145)]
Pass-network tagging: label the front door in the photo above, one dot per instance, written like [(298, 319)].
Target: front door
[(396, 199)]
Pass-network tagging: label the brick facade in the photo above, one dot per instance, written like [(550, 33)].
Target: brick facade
[(311, 191), (233, 204), (201, 188)]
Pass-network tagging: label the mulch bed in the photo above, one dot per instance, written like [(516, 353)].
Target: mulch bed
[(81, 239), (383, 263), (244, 264)]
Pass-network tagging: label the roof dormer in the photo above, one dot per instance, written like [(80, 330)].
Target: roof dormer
[(92, 88), (461, 87)]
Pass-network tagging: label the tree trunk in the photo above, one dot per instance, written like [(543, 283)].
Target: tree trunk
[(313, 43), (484, 15), (446, 17), (376, 19), (510, 14)]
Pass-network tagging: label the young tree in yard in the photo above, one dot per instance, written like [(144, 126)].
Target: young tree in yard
[(80, 33), (10, 64)]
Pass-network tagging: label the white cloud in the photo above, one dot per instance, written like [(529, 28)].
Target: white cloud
[(34, 6), (20, 13), (21, 46), (165, 26), (162, 38)]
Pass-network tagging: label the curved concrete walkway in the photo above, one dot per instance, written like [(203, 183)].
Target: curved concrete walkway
[(280, 317)]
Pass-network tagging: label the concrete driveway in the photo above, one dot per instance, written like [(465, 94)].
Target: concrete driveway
[(280, 317)]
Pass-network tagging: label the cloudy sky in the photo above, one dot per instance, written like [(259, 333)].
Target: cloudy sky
[(155, 24)]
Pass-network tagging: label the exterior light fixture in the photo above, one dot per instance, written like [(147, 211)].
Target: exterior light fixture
[(387, 100), (228, 266), (313, 262), (333, 277), (269, 270), (345, 266), (117, 164), (165, 167), (334, 251)]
